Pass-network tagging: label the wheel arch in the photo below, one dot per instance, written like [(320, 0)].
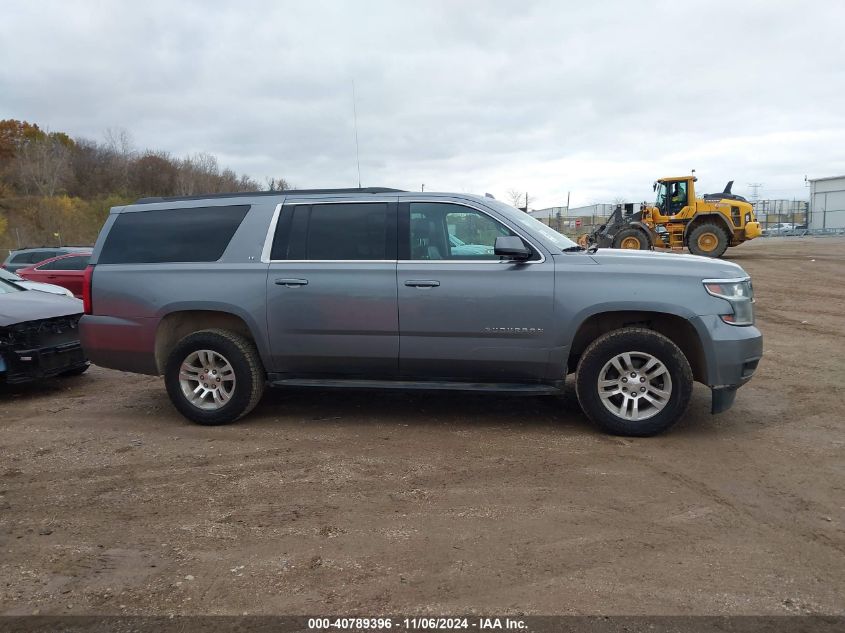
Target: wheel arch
[(178, 323), (675, 327), (708, 218)]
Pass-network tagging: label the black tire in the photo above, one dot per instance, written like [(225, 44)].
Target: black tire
[(249, 375), (633, 340), (76, 371), (703, 236), (628, 236)]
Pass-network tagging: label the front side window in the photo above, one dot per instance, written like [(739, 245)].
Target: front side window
[(343, 231), (678, 199), (443, 231)]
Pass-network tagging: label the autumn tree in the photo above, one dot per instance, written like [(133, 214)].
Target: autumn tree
[(278, 184), (154, 174), (43, 165), (516, 197)]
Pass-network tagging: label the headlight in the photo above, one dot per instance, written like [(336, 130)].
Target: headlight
[(68, 293), (739, 293)]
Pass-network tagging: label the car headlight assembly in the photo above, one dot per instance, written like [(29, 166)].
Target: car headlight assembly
[(739, 293)]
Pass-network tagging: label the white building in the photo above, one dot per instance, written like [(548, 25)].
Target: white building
[(592, 210), (827, 203)]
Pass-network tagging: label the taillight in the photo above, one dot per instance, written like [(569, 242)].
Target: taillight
[(86, 290)]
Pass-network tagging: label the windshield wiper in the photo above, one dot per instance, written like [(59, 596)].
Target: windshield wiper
[(573, 249)]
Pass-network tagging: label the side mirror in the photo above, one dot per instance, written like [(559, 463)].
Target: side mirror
[(511, 247)]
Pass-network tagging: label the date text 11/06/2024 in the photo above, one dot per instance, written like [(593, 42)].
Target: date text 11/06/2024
[(421, 623)]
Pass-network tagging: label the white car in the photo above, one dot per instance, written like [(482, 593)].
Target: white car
[(33, 285), (779, 228)]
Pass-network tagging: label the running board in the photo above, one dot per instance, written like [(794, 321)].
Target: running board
[(423, 385)]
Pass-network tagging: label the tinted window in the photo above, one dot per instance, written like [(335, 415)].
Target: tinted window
[(33, 257), (67, 263), (333, 231), (199, 234), (450, 231)]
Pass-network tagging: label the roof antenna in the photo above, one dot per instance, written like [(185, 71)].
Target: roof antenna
[(355, 118)]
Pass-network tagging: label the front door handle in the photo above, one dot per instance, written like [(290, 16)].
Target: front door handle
[(291, 283), (422, 283)]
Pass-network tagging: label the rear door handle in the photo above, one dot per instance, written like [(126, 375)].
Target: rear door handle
[(291, 283), (422, 283)]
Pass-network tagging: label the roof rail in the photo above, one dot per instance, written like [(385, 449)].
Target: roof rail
[(250, 194), (50, 246)]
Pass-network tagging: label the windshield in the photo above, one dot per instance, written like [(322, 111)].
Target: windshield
[(661, 195), (9, 276), (8, 287), (532, 224)]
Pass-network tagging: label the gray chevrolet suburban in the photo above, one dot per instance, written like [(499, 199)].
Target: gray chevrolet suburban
[(223, 295)]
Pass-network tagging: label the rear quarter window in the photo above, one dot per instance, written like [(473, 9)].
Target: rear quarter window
[(197, 234)]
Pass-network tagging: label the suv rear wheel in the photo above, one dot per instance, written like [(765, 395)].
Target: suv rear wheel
[(634, 381), (214, 376)]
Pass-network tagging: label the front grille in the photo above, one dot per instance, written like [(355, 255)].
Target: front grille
[(44, 333)]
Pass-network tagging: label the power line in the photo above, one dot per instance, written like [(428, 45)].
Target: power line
[(755, 190)]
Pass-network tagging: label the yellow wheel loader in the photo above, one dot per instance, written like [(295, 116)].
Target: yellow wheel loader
[(706, 225)]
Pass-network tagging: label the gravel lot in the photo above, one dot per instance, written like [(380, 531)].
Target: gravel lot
[(371, 503)]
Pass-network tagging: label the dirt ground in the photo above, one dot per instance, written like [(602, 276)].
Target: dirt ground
[(372, 503)]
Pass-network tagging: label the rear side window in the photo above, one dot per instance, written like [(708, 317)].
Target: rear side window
[(198, 234), (33, 257), (347, 231), (67, 263)]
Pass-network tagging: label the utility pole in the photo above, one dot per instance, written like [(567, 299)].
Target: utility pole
[(567, 207), (422, 188), (755, 198), (755, 190)]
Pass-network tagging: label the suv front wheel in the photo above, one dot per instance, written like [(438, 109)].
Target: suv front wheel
[(634, 382), (214, 376)]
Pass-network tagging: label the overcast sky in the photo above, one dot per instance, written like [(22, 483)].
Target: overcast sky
[(597, 98)]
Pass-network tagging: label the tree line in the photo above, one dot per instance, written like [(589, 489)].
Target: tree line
[(55, 187)]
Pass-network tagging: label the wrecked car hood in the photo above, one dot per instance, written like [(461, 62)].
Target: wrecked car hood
[(31, 305)]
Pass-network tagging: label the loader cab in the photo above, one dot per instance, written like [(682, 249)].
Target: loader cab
[(672, 196)]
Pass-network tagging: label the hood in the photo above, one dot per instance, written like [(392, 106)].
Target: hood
[(42, 287), (30, 305), (674, 263)]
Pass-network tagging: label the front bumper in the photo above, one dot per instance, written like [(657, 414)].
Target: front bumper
[(731, 353), (24, 365), (39, 349), (752, 230)]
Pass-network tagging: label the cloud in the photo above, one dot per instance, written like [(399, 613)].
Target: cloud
[(598, 99)]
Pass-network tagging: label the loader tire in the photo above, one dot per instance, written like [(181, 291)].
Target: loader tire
[(632, 239), (708, 240)]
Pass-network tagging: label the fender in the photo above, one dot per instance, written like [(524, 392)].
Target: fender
[(560, 353), (259, 334)]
